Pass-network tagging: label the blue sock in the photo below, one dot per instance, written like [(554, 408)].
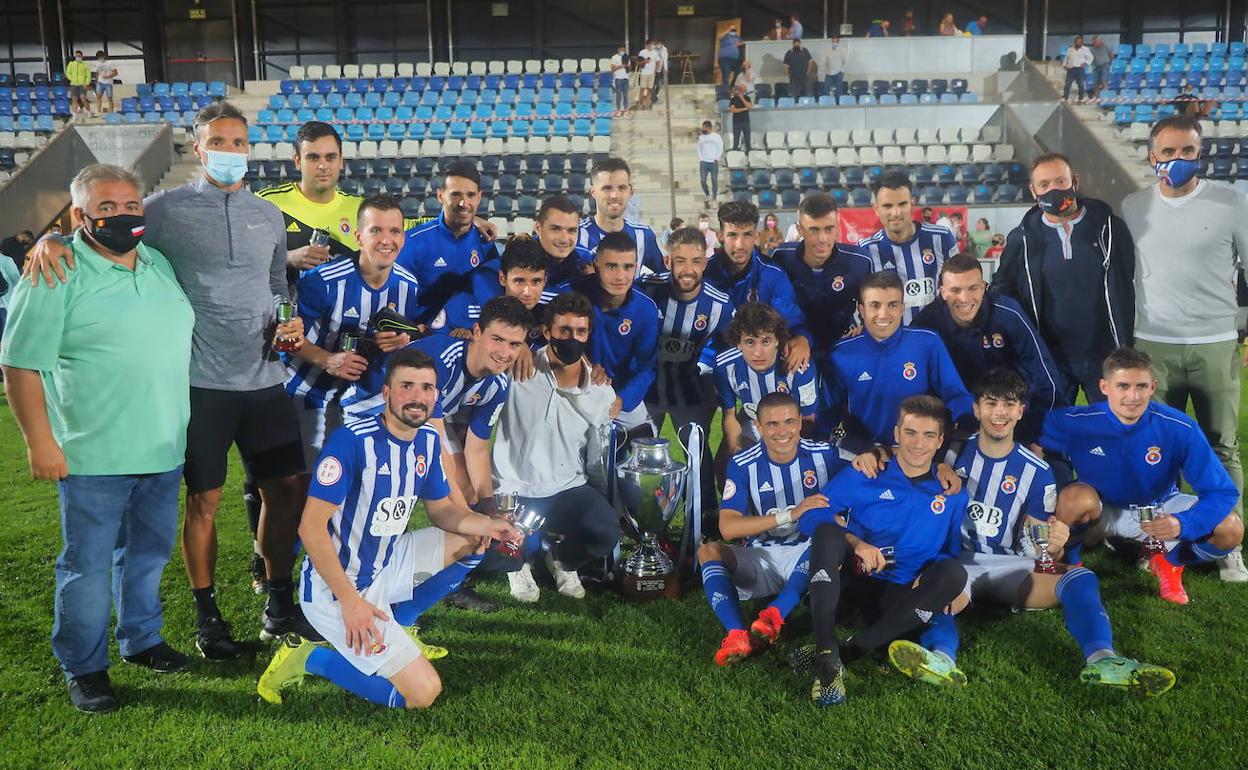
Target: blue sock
[(328, 663), (941, 635), (794, 587), (722, 595), (434, 589), (1074, 546), (532, 546), (1079, 591), (1195, 553)]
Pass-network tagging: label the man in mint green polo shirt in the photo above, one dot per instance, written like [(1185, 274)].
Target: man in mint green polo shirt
[(97, 371)]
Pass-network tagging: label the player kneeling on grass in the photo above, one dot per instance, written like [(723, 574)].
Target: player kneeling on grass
[(1132, 451), (899, 533), (1011, 488), (768, 489), (366, 576)]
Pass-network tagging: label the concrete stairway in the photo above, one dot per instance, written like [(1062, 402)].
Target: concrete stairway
[(642, 140)]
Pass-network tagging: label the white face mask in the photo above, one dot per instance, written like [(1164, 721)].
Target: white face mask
[(704, 225)]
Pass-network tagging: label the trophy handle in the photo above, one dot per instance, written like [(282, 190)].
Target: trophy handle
[(692, 536)]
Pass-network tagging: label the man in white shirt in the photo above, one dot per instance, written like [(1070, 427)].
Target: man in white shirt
[(104, 74), (619, 80), (649, 59), (710, 150), (1191, 237), (1078, 59), (834, 67), (549, 468), (661, 74)]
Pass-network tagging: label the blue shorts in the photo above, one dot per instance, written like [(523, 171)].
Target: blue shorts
[(104, 89)]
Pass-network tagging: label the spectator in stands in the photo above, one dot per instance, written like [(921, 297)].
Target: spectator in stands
[(97, 372), (977, 27), (708, 233), (834, 66), (672, 227), (801, 68), (619, 80), (1102, 55), (78, 73), (795, 28), (880, 28), (104, 74), (1190, 237), (747, 78), (16, 246), (1078, 58), (660, 73), (740, 109), (770, 236), (947, 27), (647, 66), (1071, 265), (1191, 105), (729, 56), (909, 26), (981, 237), (777, 31), (998, 246), (710, 150)]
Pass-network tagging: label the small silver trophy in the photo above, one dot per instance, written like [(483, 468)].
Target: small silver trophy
[(1039, 534), (318, 238), (527, 520), (650, 486), (1152, 546)]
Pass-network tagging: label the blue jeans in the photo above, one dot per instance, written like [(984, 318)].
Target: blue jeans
[(832, 83), (621, 93), (1076, 76), (123, 525), (709, 169)]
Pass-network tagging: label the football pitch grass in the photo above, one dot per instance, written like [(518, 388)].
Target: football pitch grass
[(599, 683)]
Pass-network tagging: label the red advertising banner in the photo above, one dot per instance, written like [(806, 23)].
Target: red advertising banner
[(858, 223)]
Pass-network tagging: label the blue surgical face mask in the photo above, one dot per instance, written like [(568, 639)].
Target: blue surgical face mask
[(1177, 172), (226, 168)]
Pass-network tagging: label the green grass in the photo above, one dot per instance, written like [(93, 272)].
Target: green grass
[(600, 683)]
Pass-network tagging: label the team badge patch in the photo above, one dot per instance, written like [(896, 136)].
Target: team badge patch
[(730, 489), (474, 398), (909, 370), (809, 479), (626, 326), (699, 323), (998, 341), (838, 283), (1153, 456), (987, 343), (344, 225), (421, 465), (938, 504), (1009, 484), (928, 257), (782, 387), (475, 258), (329, 471)]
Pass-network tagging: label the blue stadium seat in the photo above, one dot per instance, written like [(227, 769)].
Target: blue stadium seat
[(1006, 193), (860, 196), (931, 195)]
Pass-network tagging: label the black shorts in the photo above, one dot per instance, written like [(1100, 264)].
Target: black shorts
[(261, 422)]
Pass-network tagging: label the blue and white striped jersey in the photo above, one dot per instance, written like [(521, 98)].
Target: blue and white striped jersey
[(375, 479), (1002, 492), (687, 329), (756, 486), (334, 298), (736, 380), (917, 261), (649, 255)]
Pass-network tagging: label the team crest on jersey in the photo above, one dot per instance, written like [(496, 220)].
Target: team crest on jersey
[(909, 370), (421, 465), (699, 323), (782, 387), (938, 504), (730, 489), (998, 341), (928, 256), (344, 225), (626, 326), (474, 398), (1153, 456), (809, 479), (987, 343), (838, 283), (474, 259), (1009, 484)]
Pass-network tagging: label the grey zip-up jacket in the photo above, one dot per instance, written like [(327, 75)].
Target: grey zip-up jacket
[(228, 251)]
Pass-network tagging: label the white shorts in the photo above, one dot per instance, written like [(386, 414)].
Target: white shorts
[(762, 570), (418, 555), (645, 79), (996, 577), (635, 417), (1118, 522), (315, 424)]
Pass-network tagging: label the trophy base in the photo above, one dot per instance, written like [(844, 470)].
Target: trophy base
[(640, 588), (1051, 568)]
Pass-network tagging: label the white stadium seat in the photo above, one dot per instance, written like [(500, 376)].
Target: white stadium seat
[(501, 226), (928, 136), (478, 68), (550, 66), (892, 156), (452, 147), (601, 143), (959, 153), (825, 156), (315, 72), (532, 67), (423, 69), (579, 144), (297, 72), (409, 148), (969, 135), (442, 68), (430, 148), (522, 225), (473, 147), (758, 159), (906, 136), (516, 145), (283, 151), (350, 70), (259, 151), (735, 159), (779, 158), (861, 137), (515, 67), (774, 140), (818, 138), (796, 139), (388, 149), (497, 67), (981, 153), (882, 136), (459, 68), (348, 150), (368, 149), (1003, 153), (368, 71), (990, 135), (838, 137), (947, 135), (937, 154), (914, 155), (846, 156), (405, 69), (333, 71), (569, 65), (801, 158), (869, 156)]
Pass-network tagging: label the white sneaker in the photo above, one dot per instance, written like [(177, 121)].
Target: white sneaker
[(1231, 567), (567, 581), (523, 586)]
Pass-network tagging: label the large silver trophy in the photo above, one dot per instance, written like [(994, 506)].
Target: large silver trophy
[(648, 488)]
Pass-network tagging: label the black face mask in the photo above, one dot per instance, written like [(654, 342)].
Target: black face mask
[(119, 234), (569, 350), (1057, 202)]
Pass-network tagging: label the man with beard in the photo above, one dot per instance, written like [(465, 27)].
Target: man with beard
[(612, 188), (366, 577)]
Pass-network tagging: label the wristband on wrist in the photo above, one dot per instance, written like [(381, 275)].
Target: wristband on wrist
[(784, 516)]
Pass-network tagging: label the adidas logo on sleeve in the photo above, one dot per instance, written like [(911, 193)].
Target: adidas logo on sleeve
[(864, 377)]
